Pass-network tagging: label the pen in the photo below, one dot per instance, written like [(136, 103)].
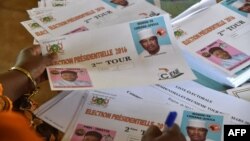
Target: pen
[(170, 119)]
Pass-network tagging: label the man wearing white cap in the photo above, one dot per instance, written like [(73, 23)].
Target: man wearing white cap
[(197, 130), (149, 41)]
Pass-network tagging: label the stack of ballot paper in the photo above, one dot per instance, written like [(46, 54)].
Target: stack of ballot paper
[(101, 61), (112, 111), (215, 42), (81, 15), (139, 49)]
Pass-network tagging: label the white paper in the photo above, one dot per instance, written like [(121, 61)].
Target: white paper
[(60, 114), (195, 43), (139, 10), (121, 121), (101, 61), (190, 95), (227, 30), (38, 32), (200, 6), (74, 17), (50, 103), (60, 3), (86, 15), (37, 11), (197, 96)]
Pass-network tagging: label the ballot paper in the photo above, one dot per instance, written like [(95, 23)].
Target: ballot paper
[(38, 32), (217, 48), (119, 120), (86, 15), (65, 3), (208, 100), (101, 61), (59, 3), (189, 95), (50, 103), (66, 25), (36, 11), (74, 17), (59, 112)]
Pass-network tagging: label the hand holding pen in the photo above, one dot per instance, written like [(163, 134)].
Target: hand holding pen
[(171, 132)]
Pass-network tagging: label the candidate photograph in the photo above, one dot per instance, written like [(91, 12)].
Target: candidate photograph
[(69, 78), (224, 55)]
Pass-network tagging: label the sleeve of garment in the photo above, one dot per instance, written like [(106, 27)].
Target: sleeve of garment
[(1, 89), (15, 127), (5, 102)]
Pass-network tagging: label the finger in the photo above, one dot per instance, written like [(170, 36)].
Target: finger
[(151, 133), (176, 131), (33, 50)]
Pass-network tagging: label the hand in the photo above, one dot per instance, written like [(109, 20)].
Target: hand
[(32, 60), (168, 134)]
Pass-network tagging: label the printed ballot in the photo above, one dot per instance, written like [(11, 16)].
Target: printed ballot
[(188, 95), (217, 48), (88, 15), (78, 18), (109, 116), (91, 59), (53, 111)]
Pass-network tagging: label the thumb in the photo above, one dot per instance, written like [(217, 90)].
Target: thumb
[(151, 133), (174, 129), (49, 59), (172, 134)]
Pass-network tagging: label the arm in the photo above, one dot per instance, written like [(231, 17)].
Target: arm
[(15, 82), (168, 134)]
